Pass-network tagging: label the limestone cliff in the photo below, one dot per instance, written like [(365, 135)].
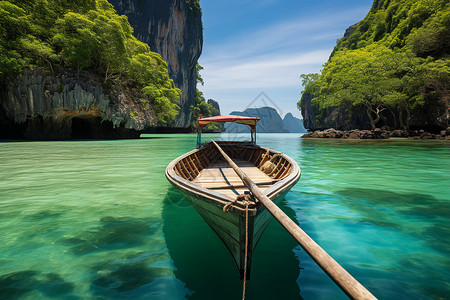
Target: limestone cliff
[(331, 117), (214, 127), (390, 70), (172, 28), (215, 105), (71, 105), (270, 120), (293, 124)]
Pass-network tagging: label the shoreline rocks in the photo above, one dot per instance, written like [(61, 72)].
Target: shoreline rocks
[(377, 133)]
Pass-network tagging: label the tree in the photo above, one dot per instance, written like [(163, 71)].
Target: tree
[(395, 61), (433, 39), (198, 68), (309, 83), (88, 35), (13, 22), (373, 77), (112, 32), (13, 25), (39, 50), (77, 40), (162, 103), (353, 78)]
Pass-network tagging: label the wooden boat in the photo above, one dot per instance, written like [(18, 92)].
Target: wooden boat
[(219, 195)]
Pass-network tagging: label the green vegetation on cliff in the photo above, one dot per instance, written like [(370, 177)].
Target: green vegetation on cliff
[(203, 108), (86, 35), (194, 7), (392, 63)]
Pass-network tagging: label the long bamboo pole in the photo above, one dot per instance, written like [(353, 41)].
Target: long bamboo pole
[(337, 273)]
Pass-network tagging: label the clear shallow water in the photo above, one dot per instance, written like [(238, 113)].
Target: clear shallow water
[(98, 220)]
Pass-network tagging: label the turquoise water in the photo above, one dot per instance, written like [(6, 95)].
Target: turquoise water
[(98, 220)]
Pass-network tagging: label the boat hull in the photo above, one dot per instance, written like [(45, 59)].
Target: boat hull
[(231, 226)]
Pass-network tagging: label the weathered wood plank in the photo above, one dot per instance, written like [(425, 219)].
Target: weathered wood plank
[(215, 186)]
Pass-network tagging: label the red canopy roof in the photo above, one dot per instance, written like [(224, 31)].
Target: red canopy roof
[(250, 121)]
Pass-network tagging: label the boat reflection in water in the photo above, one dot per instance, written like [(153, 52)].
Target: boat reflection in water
[(202, 262)]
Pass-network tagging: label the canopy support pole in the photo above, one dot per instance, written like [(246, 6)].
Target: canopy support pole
[(253, 134), (199, 138), (335, 271)]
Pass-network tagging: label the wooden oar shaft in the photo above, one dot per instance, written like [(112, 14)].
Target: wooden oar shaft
[(340, 276), (236, 186)]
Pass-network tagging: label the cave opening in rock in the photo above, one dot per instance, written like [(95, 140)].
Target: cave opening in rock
[(97, 128), (85, 128)]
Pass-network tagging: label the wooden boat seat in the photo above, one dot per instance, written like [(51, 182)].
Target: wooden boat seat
[(220, 176)]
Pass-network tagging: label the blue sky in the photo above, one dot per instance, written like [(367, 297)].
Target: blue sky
[(263, 46)]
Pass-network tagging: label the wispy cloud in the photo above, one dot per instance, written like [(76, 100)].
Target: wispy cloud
[(281, 36), (262, 71), (272, 58), (287, 44)]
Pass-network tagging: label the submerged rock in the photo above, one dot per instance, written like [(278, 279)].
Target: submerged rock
[(128, 273), (16, 284), (112, 233)]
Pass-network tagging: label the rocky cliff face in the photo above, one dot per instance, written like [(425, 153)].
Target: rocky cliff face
[(415, 33), (173, 29), (333, 117), (293, 124), (215, 105), (38, 106), (432, 118), (218, 126), (270, 120), (308, 112)]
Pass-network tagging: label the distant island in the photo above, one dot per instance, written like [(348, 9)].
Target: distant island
[(293, 124), (270, 121)]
